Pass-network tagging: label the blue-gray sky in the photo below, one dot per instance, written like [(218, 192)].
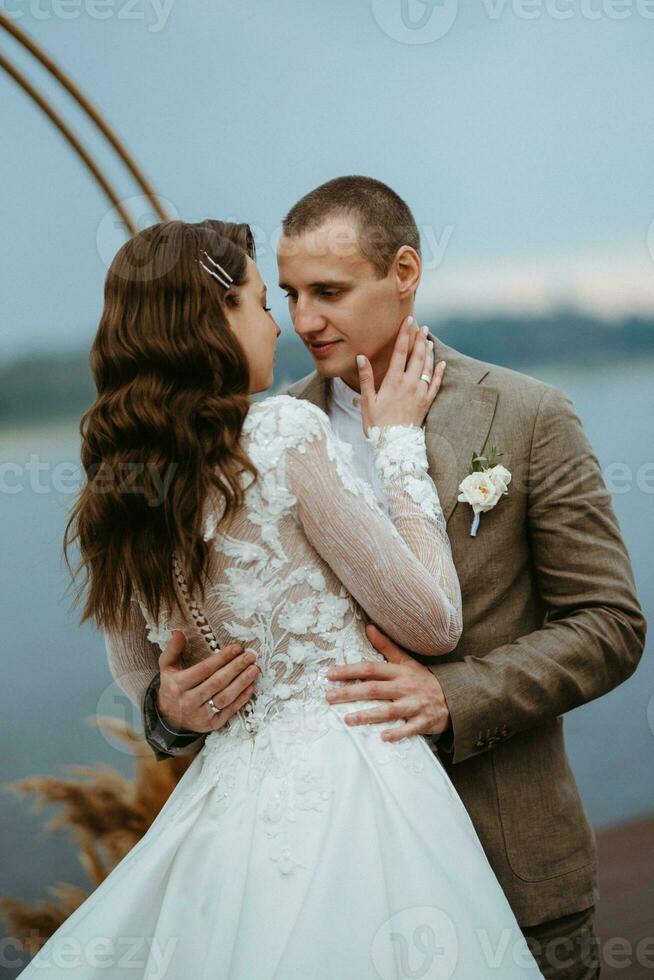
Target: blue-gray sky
[(522, 138)]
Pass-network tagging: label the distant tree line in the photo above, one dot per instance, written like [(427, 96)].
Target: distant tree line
[(56, 385), (518, 341)]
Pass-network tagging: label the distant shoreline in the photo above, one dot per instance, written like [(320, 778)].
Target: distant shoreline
[(49, 385), (57, 422)]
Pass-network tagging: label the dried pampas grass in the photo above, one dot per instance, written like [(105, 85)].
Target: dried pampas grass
[(107, 814)]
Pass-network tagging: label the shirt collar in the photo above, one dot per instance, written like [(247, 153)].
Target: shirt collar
[(345, 397)]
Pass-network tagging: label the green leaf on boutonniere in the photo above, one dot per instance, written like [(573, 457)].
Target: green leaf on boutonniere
[(481, 462), (493, 456)]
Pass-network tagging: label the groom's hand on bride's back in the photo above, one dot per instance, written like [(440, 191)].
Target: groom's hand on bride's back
[(411, 692), (228, 677)]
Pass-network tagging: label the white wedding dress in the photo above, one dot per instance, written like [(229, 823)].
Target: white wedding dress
[(296, 846)]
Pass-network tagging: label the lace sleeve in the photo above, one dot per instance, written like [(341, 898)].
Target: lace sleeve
[(132, 655), (401, 570)]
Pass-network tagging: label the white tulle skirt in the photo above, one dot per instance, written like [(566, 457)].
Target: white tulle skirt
[(312, 850)]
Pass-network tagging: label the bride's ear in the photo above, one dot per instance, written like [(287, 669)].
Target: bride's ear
[(408, 270)]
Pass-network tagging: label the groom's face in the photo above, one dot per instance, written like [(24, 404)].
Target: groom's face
[(338, 304)]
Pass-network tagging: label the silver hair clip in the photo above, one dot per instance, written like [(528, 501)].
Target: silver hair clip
[(226, 274)]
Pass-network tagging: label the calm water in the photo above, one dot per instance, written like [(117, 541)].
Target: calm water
[(57, 678)]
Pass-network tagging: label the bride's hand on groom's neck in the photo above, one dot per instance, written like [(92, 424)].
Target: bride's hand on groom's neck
[(410, 385)]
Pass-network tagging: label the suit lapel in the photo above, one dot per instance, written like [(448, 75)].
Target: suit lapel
[(313, 388), (456, 426), (458, 423)]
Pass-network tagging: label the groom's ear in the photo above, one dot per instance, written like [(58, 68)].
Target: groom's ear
[(407, 271)]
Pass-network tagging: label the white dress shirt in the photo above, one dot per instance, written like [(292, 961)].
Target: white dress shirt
[(345, 416)]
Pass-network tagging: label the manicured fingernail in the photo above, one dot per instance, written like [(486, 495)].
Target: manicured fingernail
[(431, 344), (361, 360), (425, 330), (409, 321), (444, 363)]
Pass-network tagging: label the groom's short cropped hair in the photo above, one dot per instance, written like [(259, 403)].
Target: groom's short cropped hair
[(384, 221)]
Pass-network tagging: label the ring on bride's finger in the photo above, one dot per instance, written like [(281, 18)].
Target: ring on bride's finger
[(425, 377), (214, 709)]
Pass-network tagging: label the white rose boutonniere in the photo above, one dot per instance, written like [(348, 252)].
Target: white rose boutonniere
[(487, 481)]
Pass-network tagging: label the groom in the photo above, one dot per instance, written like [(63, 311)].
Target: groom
[(551, 617)]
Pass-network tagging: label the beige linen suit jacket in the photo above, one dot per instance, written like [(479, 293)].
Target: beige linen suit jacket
[(551, 621)]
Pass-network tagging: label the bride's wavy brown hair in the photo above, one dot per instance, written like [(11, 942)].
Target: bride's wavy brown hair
[(172, 386)]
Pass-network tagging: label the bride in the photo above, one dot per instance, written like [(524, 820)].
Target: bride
[(294, 845)]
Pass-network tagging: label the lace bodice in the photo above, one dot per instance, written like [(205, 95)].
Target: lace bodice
[(309, 558)]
